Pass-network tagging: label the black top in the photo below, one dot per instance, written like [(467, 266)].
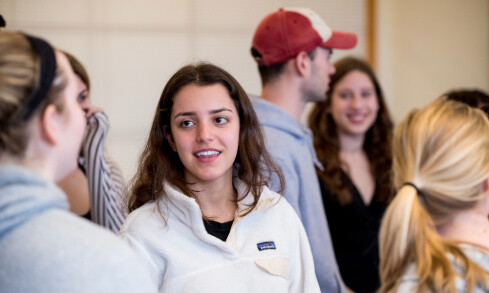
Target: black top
[(87, 216), (354, 231), (218, 230)]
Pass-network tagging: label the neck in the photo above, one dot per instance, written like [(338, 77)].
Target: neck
[(471, 226), (33, 163), (285, 95), (217, 199), (351, 143)]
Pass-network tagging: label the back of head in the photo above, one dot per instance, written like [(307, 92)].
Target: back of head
[(474, 98), (281, 35), (442, 152), (28, 86)]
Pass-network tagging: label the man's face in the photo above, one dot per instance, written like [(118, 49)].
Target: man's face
[(318, 83)]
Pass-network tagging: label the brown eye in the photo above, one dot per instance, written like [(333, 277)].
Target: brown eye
[(186, 123), (82, 98), (221, 120)]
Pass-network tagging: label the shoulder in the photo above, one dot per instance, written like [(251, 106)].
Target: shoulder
[(409, 280), (142, 219), (284, 148), (477, 254), (82, 233), (275, 205), (84, 250)]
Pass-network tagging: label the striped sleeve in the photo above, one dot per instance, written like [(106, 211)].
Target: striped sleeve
[(105, 181)]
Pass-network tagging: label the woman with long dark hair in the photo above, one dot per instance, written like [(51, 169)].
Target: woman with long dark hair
[(202, 217), (352, 134)]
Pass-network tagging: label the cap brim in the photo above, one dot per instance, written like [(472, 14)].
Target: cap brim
[(341, 40)]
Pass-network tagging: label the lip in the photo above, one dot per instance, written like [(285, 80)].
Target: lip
[(207, 155), (357, 118)]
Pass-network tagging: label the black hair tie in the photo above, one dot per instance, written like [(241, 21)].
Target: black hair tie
[(47, 72), (413, 186)]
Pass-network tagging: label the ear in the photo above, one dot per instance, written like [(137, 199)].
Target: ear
[(485, 188), (50, 125), (302, 63), (169, 137), (485, 185)]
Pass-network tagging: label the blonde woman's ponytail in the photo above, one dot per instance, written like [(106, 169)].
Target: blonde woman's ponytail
[(441, 158)]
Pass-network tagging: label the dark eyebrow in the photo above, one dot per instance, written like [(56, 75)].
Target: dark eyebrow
[(184, 114), (211, 112), (221, 110), (84, 91)]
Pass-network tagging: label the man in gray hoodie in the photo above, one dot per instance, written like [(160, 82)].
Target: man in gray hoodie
[(293, 48)]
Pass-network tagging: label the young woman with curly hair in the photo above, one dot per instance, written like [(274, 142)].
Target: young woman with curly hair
[(202, 217)]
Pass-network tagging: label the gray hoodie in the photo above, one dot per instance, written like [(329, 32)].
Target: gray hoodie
[(45, 248), (290, 144)]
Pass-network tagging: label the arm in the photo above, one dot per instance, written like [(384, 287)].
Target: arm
[(302, 276), (105, 181), (75, 187), (291, 191)]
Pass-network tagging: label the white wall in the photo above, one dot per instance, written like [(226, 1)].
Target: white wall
[(132, 47), (428, 47)]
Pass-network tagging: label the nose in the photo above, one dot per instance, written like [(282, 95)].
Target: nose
[(204, 133), (356, 101)]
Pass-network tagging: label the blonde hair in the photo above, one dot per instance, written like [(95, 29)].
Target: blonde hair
[(19, 76), (443, 149)]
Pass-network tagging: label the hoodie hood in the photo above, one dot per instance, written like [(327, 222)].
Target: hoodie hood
[(273, 116), (25, 194)]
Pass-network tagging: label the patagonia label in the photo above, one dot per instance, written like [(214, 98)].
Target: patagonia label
[(266, 245)]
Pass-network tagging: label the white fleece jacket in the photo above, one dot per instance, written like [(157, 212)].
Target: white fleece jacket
[(266, 250)]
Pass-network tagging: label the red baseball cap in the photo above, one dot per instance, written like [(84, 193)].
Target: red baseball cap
[(281, 35)]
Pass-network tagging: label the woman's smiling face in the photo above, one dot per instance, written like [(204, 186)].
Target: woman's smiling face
[(354, 104), (205, 132)]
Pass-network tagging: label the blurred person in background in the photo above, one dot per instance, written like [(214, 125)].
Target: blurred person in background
[(352, 133), (95, 189)]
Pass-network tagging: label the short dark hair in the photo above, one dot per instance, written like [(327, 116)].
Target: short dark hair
[(272, 72), (474, 98), (158, 162), (3, 23)]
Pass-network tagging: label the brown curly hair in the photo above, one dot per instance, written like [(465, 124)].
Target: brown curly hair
[(160, 165), (377, 143)]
